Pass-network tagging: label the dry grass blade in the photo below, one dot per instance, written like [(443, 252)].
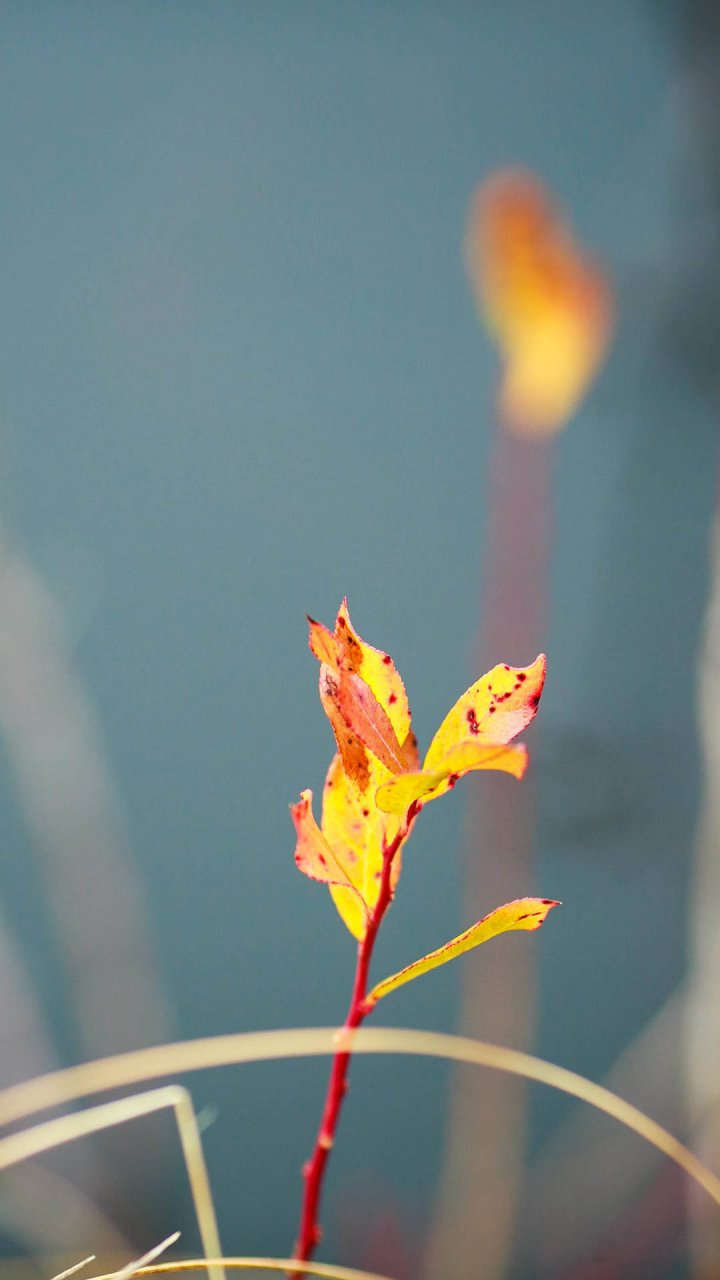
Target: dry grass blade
[(92, 1078), (67, 1128), (133, 1268), (78, 1266)]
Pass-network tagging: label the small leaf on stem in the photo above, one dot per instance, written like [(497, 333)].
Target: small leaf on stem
[(525, 913), (398, 794), (475, 734)]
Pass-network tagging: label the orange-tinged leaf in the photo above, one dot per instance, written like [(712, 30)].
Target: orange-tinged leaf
[(550, 306), (355, 756), (322, 643), (364, 716), (364, 699), (313, 854), (493, 710), (410, 752), (525, 913), (396, 795), (357, 830)]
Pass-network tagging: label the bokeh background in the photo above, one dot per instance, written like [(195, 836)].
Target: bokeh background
[(242, 375)]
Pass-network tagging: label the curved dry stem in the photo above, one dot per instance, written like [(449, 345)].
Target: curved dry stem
[(328, 1270), (91, 1078)]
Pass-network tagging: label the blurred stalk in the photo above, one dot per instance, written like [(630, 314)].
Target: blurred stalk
[(56, 755), (55, 752), (698, 184), (484, 1153), (702, 1014)]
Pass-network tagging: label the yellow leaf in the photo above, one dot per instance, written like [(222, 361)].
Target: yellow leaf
[(354, 827), (493, 710), (550, 307), (525, 913), (399, 793)]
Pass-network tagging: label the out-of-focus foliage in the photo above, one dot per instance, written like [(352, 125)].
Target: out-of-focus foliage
[(548, 305)]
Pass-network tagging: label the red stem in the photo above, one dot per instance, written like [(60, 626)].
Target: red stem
[(314, 1170)]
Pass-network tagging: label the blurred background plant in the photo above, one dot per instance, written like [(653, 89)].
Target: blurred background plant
[(241, 375)]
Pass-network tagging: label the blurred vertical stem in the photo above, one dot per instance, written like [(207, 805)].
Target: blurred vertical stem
[(479, 1182)]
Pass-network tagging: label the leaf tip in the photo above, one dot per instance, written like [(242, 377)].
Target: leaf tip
[(539, 668), (547, 904), (301, 805), (321, 642)]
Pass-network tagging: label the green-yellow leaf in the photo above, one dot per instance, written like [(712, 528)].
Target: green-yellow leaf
[(525, 913), (397, 794)]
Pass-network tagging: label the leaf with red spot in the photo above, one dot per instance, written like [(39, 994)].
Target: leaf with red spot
[(475, 734), (375, 781), (549, 306), (525, 913), (378, 671), (364, 698), (494, 709)]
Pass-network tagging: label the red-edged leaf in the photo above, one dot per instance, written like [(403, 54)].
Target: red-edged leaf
[(322, 643), (313, 855)]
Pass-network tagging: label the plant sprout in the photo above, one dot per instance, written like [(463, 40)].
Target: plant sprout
[(374, 792)]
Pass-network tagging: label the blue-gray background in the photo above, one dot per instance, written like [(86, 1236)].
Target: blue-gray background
[(241, 370)]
